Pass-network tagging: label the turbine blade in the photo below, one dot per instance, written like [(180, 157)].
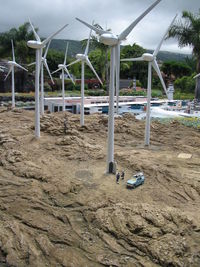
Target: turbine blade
[(74, 62), (91, 67), (53, 35), (66, 70), (19, 66), (31, 64), (13, 50), (34, 31), (10, 69), (126, 32), (65, 60), (88, 42), (47, 68), (56, 71), (156, 68), (46, 51), (97, 30), (160, 44), (133, 59), (198, 75)]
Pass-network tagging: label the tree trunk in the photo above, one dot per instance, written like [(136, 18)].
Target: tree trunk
[(197, 89)]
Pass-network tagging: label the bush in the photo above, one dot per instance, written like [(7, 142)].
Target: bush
[(100, 92), (156, 93), (130, 92), (185, 84)]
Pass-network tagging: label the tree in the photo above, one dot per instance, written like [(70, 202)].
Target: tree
[(176, 69), (185, 84), (187, 31), (128, 69), (20, 37)]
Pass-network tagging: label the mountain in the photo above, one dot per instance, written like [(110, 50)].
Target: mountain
[(170, 56), (75, 47)]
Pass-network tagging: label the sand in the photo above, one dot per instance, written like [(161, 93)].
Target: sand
[(58, 207)]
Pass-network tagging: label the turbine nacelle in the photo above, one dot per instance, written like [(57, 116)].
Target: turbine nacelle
[(148, 57), (11, 63), (61, 66), (81, 57), (35, 44), (108, 39)]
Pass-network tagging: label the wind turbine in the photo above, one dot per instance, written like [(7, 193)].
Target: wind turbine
[(197, 76), (84, 59), (43, 63), (38, 45), (108, 38), (2, 68), (12, 64), (152, 62), (63, 69)]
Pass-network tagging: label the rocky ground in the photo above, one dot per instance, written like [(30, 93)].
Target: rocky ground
[(58, 207)]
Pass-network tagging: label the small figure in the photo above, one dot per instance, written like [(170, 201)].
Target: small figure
[(122, 175), (117, 178)]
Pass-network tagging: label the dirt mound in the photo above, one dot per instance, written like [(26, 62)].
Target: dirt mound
[(58, 207)]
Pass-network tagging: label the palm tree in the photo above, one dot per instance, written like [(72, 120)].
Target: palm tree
[(187, 32)]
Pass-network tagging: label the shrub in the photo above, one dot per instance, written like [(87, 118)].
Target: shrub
[(185, 84)]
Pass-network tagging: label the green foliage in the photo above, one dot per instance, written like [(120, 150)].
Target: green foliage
[(95, 92), (185, 84), (178, 95), (20, 37), (177, 69), (98, 58), (55, 58), (69, 86), (189, 122), (187, 32), (133, 69), (157, 93), (130, 92)]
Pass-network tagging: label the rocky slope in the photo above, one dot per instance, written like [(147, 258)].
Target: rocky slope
[(58, 207)]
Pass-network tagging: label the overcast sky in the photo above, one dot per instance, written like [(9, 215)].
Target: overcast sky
[(49, 15)]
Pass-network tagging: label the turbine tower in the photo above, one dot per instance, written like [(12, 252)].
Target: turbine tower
[(38, 45), (63, 69), (43, 63), (152, 62), (114, 41), (12, 64), (84, 59)]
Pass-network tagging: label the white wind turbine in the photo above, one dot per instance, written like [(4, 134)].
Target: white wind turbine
[(38, 45), (63, 69), (84, 59), (12, 64), (152, 62), (197, 76), (43, 64), (2, 68), (114, 41)]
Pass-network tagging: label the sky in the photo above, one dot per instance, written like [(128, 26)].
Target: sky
[(50, 15)]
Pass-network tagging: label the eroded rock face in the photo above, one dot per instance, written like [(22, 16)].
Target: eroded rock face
[(59, 208)]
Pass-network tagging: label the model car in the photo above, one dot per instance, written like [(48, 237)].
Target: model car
[(136, 180)]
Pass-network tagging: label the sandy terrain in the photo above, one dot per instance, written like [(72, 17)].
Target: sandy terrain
[(59, 208)]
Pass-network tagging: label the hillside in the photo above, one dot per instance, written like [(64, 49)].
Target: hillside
[(76, 47), (59, 208)]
